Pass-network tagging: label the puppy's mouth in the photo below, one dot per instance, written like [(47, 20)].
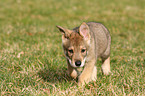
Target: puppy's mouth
[(77, 63)]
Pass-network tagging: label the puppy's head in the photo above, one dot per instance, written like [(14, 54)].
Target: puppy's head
[(75, 44)]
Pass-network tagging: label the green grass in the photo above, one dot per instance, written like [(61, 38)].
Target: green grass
[(31, 56)]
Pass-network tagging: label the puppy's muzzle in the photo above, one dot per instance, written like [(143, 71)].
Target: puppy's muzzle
[(78, 63)]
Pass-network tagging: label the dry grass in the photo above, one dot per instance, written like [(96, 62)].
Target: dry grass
[(31, 56)]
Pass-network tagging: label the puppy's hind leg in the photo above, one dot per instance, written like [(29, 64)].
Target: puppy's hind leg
[(106, 66)]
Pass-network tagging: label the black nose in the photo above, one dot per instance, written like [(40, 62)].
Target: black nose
[(78, 63)]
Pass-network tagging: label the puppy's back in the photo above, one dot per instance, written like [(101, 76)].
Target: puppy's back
[(101, 36)]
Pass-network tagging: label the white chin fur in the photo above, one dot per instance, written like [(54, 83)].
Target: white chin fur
[(73, 65)]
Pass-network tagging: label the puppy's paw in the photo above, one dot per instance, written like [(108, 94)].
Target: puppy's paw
[(106, 71), (94, 74), (73, 74)]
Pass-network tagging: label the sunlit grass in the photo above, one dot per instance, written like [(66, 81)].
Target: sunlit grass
[(31, 55)]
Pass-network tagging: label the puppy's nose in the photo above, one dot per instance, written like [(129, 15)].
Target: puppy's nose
[(78, 63)]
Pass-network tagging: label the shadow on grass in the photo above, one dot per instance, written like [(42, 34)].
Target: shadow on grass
[(54, 75)]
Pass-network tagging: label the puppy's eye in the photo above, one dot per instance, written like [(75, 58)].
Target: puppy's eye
[(70, 51), (83, 50)]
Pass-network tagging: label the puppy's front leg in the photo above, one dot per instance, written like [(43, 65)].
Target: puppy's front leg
[(89, 73), (71, 71)]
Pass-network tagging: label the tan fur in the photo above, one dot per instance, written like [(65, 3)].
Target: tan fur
[(82, 46), (106, 66), (72, 72)]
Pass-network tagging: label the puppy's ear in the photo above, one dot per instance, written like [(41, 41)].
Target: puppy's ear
[(65, 32), (84, 31)]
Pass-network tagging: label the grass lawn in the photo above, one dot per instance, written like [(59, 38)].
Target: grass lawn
[(31, 56)]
